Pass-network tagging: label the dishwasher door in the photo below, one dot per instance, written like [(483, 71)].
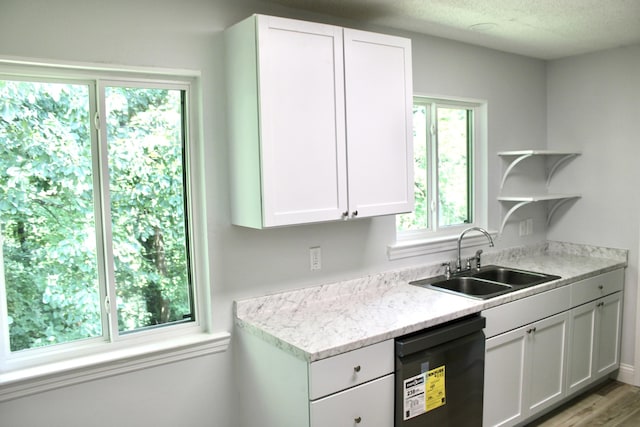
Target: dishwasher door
[(439, 375)]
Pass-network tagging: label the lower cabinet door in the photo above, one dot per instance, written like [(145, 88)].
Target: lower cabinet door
[(546, 351), (524, 371), (504, 376), (355, 407), (609, 318), (580, 361), (594, 341)]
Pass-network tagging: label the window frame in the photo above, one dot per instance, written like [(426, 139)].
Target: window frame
[(32, 370), (437, 239), (113, 328)]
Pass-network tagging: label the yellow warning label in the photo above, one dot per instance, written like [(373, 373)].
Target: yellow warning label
[(435, 395)]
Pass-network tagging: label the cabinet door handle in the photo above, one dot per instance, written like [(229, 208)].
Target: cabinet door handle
[(600, 304), (345, 214), (531, 330), (357, 420), (601, 287), (356, 368)]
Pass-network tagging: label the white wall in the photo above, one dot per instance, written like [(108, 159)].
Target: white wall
[(593, 108), (246, 263)]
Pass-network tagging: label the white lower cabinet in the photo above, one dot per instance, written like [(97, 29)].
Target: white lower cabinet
[(366, 405), (594, 341), (524, 370), (542, 349), (352, 389)]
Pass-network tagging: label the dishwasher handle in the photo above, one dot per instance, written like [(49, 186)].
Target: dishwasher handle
[(437, 335)]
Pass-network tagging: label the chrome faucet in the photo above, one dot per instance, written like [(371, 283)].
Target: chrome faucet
[(481, 230)]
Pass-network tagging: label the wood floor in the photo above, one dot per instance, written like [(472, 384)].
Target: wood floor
[(613, 404)]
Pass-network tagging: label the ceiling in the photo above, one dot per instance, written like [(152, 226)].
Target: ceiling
[(545, 29)]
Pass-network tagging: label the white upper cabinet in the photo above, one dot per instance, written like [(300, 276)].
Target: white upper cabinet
[(319, 122), (379, 103)]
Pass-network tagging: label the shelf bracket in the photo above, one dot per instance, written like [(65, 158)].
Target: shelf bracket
[(511, 211), (556, 205), (557, 164), (511, 166)]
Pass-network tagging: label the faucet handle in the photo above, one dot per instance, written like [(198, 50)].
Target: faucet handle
[(478, 253), (468, 267), (447, 269)]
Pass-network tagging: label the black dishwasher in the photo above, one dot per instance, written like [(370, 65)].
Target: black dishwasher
[(439, 375)]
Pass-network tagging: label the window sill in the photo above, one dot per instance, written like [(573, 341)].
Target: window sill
[(24, 382), (427, 246)]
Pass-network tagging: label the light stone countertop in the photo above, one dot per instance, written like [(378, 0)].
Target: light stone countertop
[(326, 320)]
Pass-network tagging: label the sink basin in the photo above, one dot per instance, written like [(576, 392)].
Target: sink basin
[(488, 282), (472, 286), (512, 276)]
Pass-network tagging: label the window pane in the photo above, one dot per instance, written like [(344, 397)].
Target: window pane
[(419, 218), (47, 214), (146, 167), (453, 166)]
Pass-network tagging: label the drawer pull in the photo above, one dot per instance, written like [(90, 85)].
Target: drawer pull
[(358, 420), (356, 368), (601, 287)]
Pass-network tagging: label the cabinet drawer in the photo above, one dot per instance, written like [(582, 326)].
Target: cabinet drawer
[(356, 407), (526, 310), (348, 369), (595, 287)]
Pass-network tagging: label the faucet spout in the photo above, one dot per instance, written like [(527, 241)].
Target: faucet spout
[(481, 230)]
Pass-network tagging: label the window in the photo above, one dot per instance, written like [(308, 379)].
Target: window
[(449, 195), (94, 212)]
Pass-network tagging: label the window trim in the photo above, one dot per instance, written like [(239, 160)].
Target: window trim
[(423, 242), (24, 373), (44, 377)]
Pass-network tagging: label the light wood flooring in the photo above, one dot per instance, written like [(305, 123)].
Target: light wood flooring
[(612, 404)]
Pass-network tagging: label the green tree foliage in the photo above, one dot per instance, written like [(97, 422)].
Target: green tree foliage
[(47, 213), (418, 219), (450, 149), (147, 205), (453, 176)]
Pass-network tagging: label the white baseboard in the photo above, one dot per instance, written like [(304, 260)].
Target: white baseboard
[(626, 374)]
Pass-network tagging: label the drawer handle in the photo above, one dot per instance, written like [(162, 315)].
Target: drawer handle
[(356, 369), (358, 420)]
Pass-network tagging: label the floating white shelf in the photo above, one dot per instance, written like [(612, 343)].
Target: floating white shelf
[(520, 155), (521, 201)]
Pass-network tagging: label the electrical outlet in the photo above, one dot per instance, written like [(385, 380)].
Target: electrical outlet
[(315, 258), (529, 226)]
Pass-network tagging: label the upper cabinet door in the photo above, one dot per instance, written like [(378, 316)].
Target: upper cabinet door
[(301, 121), (378, 87)]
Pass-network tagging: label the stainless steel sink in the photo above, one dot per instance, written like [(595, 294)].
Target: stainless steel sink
[(472, 286), (488, 282), (512, 276)]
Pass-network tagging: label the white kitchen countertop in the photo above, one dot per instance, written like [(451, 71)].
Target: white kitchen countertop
[(322, 321)]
